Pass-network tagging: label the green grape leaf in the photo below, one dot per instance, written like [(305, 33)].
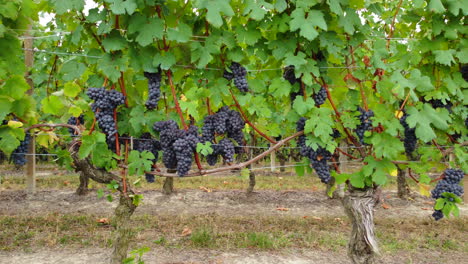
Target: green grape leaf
[(112, 64), (139, 163), (204, 149), (71, 89), (307, 25), (182, 33), (120, 7), (89, 142), (147, 29), (386, 146), (10, 138), (75, 111), (52, 105), (164, 59), (436, 6), (320, 123), (444, 56), (114, 41), (5, 107), (257, 9), (200, 54), (423, 119), (214, 10), (296, 60), (15, 87), (302, 106), (63, 6), (72, 70)]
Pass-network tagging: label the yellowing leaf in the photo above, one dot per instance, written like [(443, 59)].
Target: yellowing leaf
[(424, 189), (394, 173), (45, 139), (14, 124), (398, 114)]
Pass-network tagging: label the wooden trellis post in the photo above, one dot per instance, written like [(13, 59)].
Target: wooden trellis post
[(31, 157)]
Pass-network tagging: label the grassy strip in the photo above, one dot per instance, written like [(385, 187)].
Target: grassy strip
[(219, 232), (264, 181)]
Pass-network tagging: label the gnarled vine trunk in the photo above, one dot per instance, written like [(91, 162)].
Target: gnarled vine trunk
[(124, 210), (83, 187), (168, 185), (251, 181), (403, 188), (123, 231), (359, 206)]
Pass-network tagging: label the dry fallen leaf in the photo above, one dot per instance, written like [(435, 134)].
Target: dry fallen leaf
[(186, 232), (280, 178), (66, 182), (204, 189), (225, 182), (103, 221), (425, 208), (386, 206), (282, 209), (305, 216), (316, 218), (429, 202)]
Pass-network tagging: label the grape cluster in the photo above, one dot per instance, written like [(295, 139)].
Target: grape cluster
[(336, 133), (365, 123), (224, 122), (146, 142), (464, 72), (105, 101), (154, 91), (320, 97), (436, 103), (451, 184), (177, 145), (410, 139), (290, 76), (19, 154), (318, 158), (75, 121), (239, 74)]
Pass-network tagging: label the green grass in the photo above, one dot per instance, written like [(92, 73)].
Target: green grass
[(220, 232), (265, 180)]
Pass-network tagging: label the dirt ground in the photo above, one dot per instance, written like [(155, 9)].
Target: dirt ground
[(226, 203), (177, 256), (195, 202)]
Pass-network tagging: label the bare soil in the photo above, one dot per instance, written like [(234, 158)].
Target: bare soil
[(196, 202)]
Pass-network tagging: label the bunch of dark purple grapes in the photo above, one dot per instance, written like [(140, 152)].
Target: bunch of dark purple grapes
[(224, 122), (320, 97), (19, 154), (318, 158), (75, 121), (365, 123), (410, 140), (239, 74), (178, 146), (437, 103), (449, 184), (105, 102), (154, 89)]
